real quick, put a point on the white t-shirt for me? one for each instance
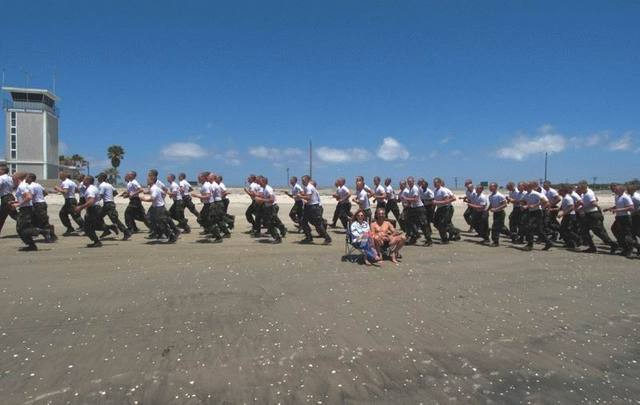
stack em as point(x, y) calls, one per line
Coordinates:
point(267, 194)
point(426, 194)
point(70, 186)
point(132, 187)
point(380, 191)
point(532, 198)
point(93, 192)
point(342, 192)
point(6, 185)
point(415, 192)
point(470, 194)
point(175, 188)
point(481, 199)
point(295, 190)
point(636, 200)
point(157, 196)
point(497, 199)
point(37, 191)
point(205, 190)
point(185, 188)
point(161, 185)
point(106, 191)
point(363, 199)
point(223, 188)
point(552, 195)
point(216, 192)
point(515, 194)
point(391, 193)
point(589, 201)
point(255, 188)
point(22, 189)
point(404, 193)
point(623, 201)
point(441, 194)
point(310, 190)
point(567, 205)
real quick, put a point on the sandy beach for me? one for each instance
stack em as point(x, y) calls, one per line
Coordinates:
point(249, 322)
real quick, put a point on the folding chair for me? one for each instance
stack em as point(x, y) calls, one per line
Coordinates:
point(350, 249)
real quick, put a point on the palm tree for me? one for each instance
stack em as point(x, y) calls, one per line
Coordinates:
point(77, 160)
point(116, 154)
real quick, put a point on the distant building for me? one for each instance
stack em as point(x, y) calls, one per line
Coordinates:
point(31, 125)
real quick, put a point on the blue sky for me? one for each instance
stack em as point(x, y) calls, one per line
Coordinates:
point(455, 88)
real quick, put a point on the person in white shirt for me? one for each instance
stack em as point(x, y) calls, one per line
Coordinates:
point(67, 188)
point(567, 214)
point(93, 216)
point(177, 208)
point(360, 236)
point(479, 204)
point(343, 206)
point(24, 204)
point(207, 214)
point(593, 220)
point(217, 208)
point(515, 224)
point(158, 217)
point(40, 214)
point(622, 227)
point(362, 199)
point(269, 213)
point(380, 193)
point(252, 190)
point(632, 190)
point(443, 199)
point(312, 213)
point(134, 211)
point(416, 214)
point(392, 200)
point(551, 224)
point(6, 197)
point(535, 202)
point(81, 189)
point(296, 210)
point(497, 205)
point(469, 197)
point(403, 192)
point(107, 193)
point(185, 188)
point(426, 195)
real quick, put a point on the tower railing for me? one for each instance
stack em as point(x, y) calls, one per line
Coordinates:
point(29, 106)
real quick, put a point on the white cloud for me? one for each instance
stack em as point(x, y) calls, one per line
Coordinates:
point(183, 150)
point(332, 155)
point(263, 152)
point(229, 157)
point(625, 142)
point(446, 139)
point(596, 139)
point(546, 140)
point(391, 149)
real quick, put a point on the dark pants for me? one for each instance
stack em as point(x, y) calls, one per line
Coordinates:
point(622, 229)
point(497, 226)
point(381, 204)
point(593, 221)
point(220, 218)
point(225, 204)
point(551, 225)
point(635, 224)
point(313, 215)
point(416, 222)
point(442, 219)
point(272, 222)
point(514, 221)
point(41, 219)
point(25, 225)
point(160, 222)
point(296, 212)
point(343, 212)
point(109, 210)
point(69, 209)
point(567, 231)
point(431, 211)
point(480, 222)
point(93, 222)
point(468, 216)
point(392, 206)
point(177, 212)
point(6, 210)
point(188, 204)
point(250, 212)
point(535, 226)
point(135, 212)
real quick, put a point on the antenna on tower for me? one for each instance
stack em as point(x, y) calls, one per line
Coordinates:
point(54, 80)
point(2, 77)
point(310, 159)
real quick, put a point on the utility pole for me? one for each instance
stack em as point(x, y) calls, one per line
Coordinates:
point(594, 181)
point(287, 182)
point(546, 159)
point(455, 181)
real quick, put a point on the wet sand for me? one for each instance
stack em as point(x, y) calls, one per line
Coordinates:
point(251, 322)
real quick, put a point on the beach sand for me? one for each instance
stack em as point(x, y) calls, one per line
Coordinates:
point(250, 322)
